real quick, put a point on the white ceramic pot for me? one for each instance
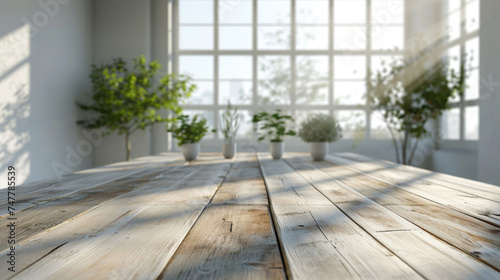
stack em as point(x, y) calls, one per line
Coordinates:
point(319, 150)
point(190, 151)
point(277, 149)
point(229, 150)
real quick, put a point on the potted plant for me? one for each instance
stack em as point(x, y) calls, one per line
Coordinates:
point(230, 125)
point(273, 126)
point(189, 134)
point(412, 91)
point(126, 99)
point(319, 130)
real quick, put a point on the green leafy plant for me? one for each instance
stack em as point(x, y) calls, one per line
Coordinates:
point(273, 125)
point(125, 100)
point(409, 93)
point(230, 123)
point(189, 132)
point(320, 128)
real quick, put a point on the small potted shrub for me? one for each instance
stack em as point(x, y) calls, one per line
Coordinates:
point(189, 134)
point(319, 130)
point(230, 124)
point(273, 126)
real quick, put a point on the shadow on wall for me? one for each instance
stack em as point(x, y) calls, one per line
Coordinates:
point(15, 107)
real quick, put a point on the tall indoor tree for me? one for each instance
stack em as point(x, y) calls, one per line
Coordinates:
point(127, 99)
point(411, 91)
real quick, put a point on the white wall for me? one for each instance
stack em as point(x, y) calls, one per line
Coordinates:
point(129, 28)
point(489, 104)
point(45, 55)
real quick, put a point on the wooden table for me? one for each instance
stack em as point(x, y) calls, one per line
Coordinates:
point(255, 218)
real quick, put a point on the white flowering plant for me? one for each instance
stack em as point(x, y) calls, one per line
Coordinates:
point(320, 128)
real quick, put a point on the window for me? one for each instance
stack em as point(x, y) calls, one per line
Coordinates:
point(303, 56)
point(462, 121)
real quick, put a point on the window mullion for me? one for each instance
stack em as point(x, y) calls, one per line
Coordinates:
point(216, 66)
point(293, 56)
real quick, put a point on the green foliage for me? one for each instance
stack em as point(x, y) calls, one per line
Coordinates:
point(230, 123)
point(320, 128)
point(187, 132)
point(273, 125)
point(125, 100)
point(413, 91)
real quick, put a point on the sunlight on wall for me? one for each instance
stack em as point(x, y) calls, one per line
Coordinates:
point(14, 102)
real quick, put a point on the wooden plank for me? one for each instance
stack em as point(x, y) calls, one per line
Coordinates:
point(472, 236)
point(162, 192)
point(484, 190)
point(285, 186)
point(39, 219)
point(57, 191)
point(429, 256)
point(472, 205)
point(243, 184)
point(228, 242)
point(320, 242)
point(136, 247)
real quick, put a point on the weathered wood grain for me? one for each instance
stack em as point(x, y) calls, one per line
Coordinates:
point(136, 247)
point(469, 204)
point(285, 186)
point(462, 184)
point(430, 257)
point(243, 184)
point(39, 219)
point(228, 242)
point(173, 188)
point(320, 242)
point(475, 237)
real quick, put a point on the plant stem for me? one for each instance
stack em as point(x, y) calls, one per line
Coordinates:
point(395, 142)
point(413, 151)
point(128, 144)
point(405, 145)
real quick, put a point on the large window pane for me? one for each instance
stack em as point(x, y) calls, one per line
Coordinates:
point(453, 26)
point(349, 37)
point(454, 64)
point(353, 123)
point(312, 37)
point(274, 80)
point(349, 93)
point(237, 92)
point(235, 11)
point(274, 11)
point(203, 95)
point(312, 11)
point(196, 37)
point(472, 15)
point(197, 66)
point(349, 11)
point(273, 37)
point(235, 74)
point(235, 67)
point(472, 82)
point(379, 128)
point(387, 37)
point(349, 67)
point(472, 123)
point(200, 11)
point(311, 85)
point(388, 12)
point(472, 50)
point(235, 37)
point(450, 124)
